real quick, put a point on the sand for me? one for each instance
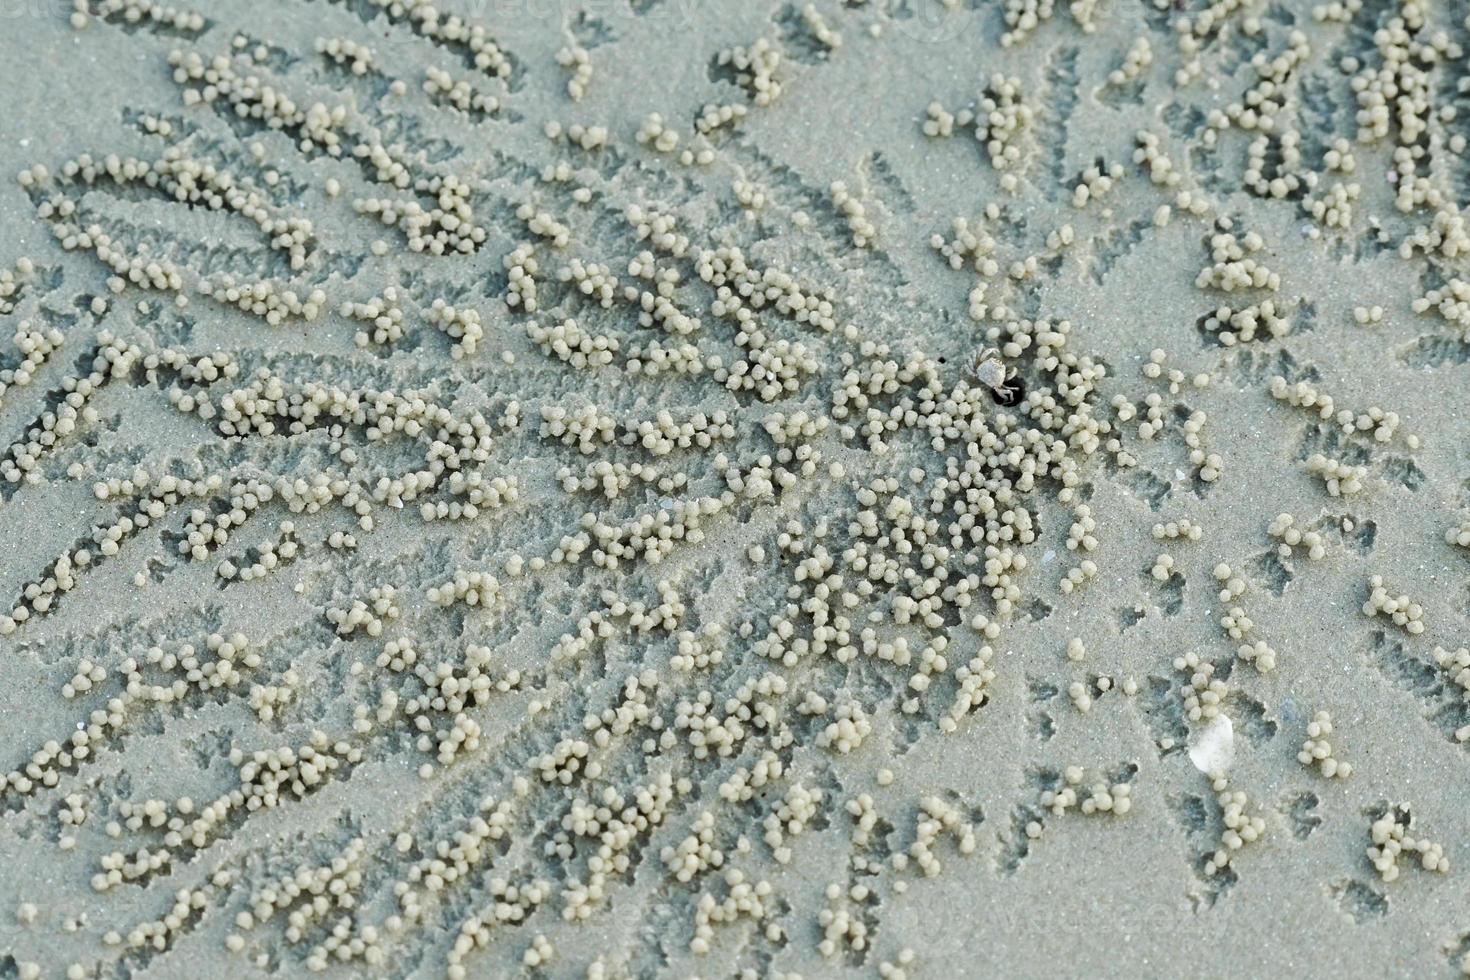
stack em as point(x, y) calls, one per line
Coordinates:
point(464, 841)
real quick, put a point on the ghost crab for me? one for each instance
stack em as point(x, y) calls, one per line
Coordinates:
point(991, 370)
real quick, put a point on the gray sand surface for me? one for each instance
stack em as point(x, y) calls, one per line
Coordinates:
point(761, 667)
